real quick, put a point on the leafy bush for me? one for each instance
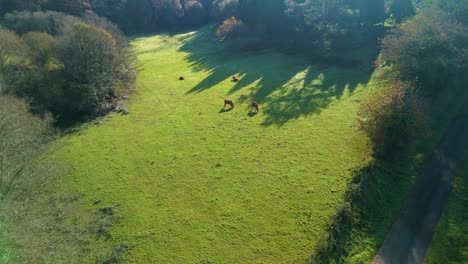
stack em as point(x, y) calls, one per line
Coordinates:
point(391, 119)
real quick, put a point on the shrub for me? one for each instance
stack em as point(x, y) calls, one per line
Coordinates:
point(391, 119)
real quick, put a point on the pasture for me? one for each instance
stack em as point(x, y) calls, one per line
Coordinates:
point(191, 182)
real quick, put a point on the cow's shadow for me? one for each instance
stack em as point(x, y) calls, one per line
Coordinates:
point(225, 110)
point(252, 113)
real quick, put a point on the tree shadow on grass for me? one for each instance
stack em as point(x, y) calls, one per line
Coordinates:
point(287, 87)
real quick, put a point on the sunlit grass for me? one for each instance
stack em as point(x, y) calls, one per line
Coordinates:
point(193, 184)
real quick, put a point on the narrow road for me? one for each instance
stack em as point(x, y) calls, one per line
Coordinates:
point(411, 235)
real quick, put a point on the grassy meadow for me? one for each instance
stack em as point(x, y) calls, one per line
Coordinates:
point(190, 182)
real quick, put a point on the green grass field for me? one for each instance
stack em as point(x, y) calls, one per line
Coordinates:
point(191, 183)
point(450, 241)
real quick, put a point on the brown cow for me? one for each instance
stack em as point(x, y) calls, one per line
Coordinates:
point(228, 102)
point(255, 106)
point(235, 79)
point(181, 78)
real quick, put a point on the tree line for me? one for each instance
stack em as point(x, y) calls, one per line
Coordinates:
point(135, 16)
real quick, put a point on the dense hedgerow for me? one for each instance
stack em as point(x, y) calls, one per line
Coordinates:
point(429, 50)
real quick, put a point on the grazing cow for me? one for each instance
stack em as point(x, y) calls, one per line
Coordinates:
point(181, 78)
point(255, 106)
point(235, 79)
point(228, 102)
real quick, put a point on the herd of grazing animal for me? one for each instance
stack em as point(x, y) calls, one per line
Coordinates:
point(254, 104)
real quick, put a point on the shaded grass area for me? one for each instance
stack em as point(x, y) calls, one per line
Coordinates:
point(191, 183)
point(377, 192)
point(449, 244)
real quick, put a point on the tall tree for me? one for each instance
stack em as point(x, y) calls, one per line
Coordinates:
point(402, 9)
point(265, 16)
point(372, 11)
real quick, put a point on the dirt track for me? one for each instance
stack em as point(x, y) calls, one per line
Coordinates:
point(411, 235)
